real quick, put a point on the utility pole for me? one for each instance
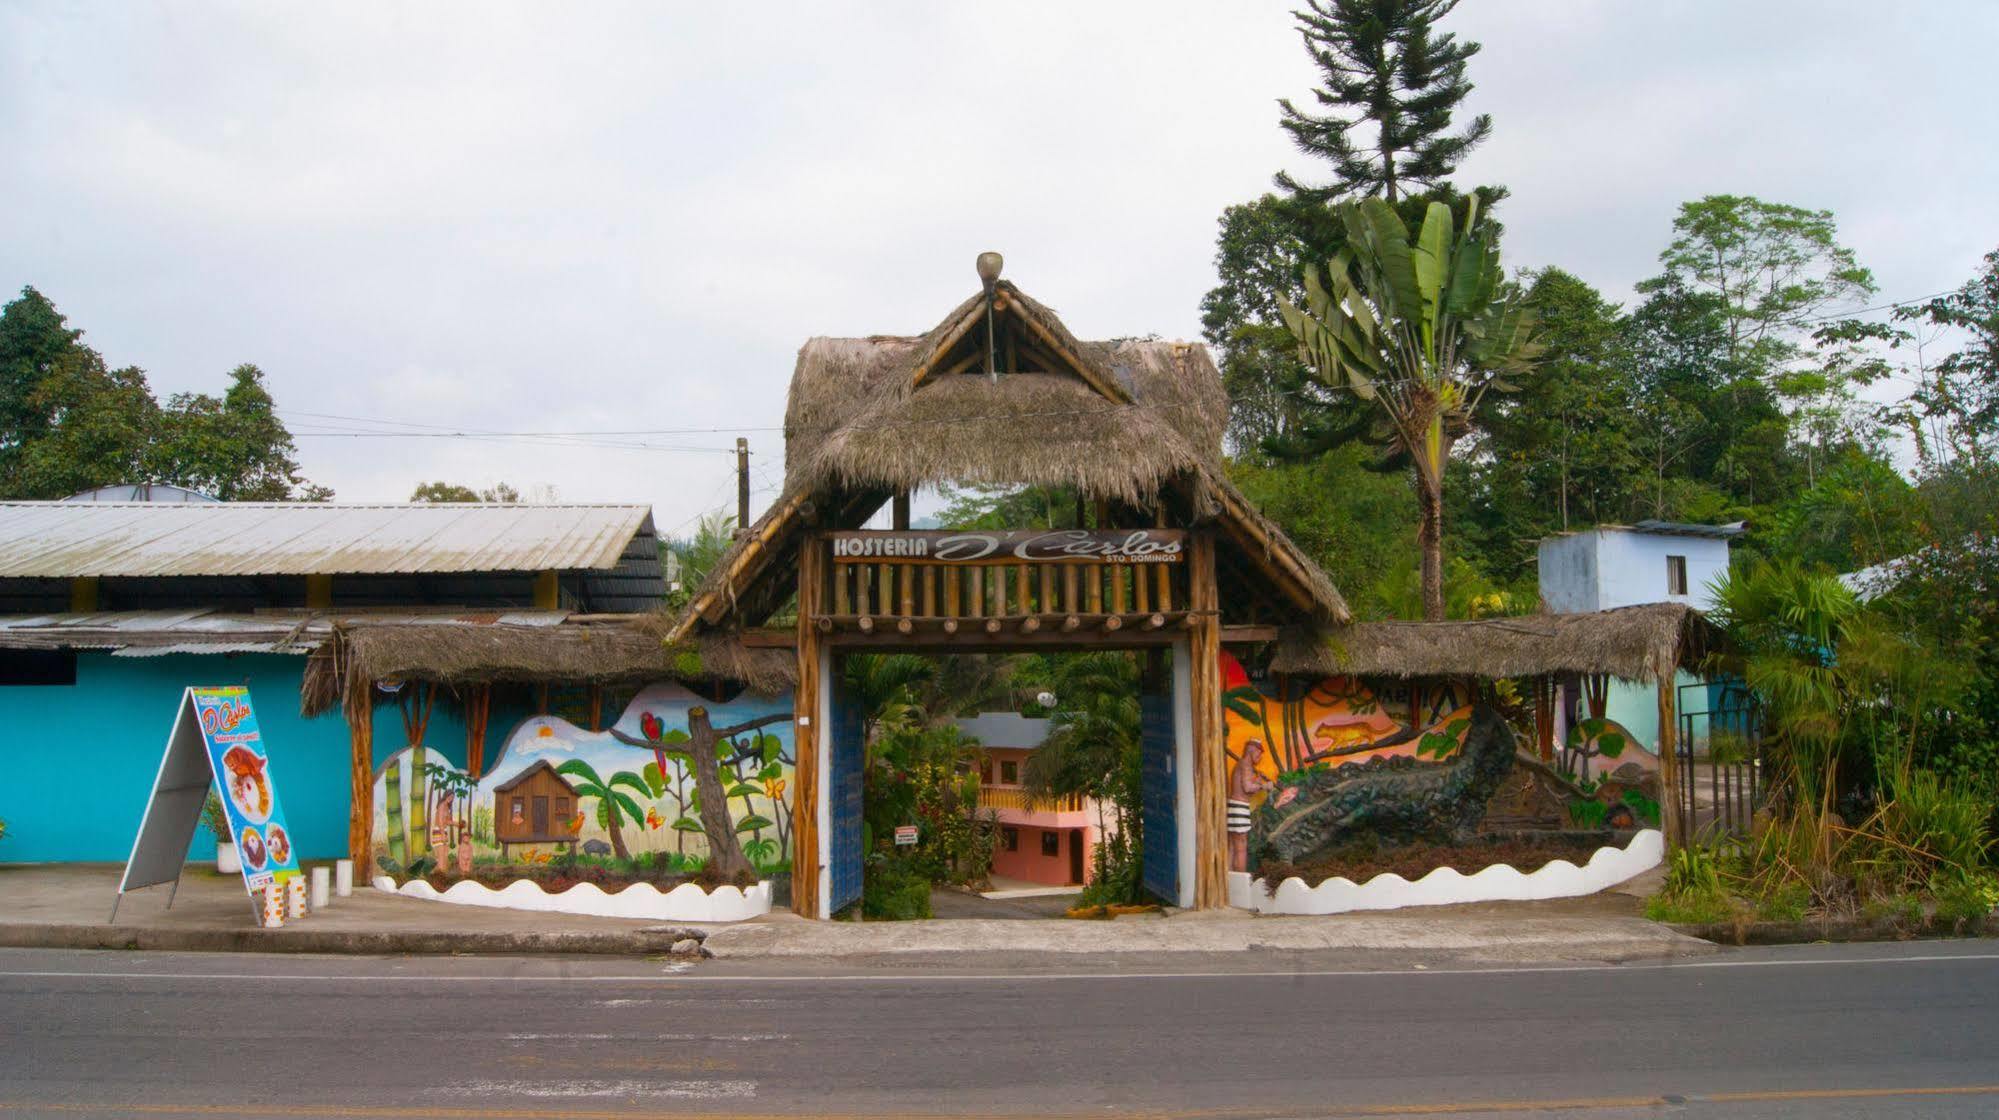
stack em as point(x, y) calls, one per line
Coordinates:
point(742, 485)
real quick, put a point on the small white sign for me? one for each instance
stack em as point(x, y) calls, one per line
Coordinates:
point(905, 835)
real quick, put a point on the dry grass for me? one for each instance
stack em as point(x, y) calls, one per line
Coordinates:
point(1643, 643)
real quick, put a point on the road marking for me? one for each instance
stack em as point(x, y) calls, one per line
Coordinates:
point(629, 1090)
point(608, 1037)
point(1353, 1112)
point(1001, 977)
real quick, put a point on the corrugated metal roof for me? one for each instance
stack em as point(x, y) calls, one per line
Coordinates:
point(65, 540)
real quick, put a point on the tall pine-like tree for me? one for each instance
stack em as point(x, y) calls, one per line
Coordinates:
point(1391, 86)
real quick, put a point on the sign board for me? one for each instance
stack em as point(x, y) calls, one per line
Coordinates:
point(214, 745)
point(905, 835)
point(243, 777)
point(1014, 546)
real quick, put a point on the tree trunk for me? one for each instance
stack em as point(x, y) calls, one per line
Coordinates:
point(392, 795)
point(1430, 540)
point(725, 854)
point(617, 838)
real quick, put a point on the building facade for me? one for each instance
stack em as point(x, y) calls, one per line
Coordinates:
point(1043, 841)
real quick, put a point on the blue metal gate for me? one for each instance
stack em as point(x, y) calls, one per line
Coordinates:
point(1158, 793)
point(843, 790)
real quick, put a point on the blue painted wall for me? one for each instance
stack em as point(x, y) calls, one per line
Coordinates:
point(79, 760)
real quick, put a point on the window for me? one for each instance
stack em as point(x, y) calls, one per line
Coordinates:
point(1010, 838)
point(1676, 575)
point(1051, 843)
point(562, 808)
point(518, 812)
point(37, 666)
point(1010, 772)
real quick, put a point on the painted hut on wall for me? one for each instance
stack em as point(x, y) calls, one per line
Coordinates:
point(535, 806)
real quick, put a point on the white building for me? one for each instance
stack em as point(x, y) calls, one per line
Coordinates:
point(1626, 565)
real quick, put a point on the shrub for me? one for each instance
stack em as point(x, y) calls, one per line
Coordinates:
point(1693, 890)
point(895, 890)
point(1965, 895)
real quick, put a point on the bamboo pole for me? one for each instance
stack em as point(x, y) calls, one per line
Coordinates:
point(978, 595)
point(1069, 602)
point(929, 591)
point(806, 731)
point(999, 593)
point(954, 589)
point(1095, 574)
point(841, 603)
point(1141, 591)
point(906, 583)
point(1165, 586)
point(1210, 758)
point(1022, 592)
point(360, 712)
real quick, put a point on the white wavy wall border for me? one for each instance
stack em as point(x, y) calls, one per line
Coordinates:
point(1560, 878)
point(684, 903)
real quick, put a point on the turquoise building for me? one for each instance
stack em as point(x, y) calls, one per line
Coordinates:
point(108, 610)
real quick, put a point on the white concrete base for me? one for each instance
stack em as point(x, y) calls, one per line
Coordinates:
point(684, 903)
point(1028, 892)
point(1607, 867)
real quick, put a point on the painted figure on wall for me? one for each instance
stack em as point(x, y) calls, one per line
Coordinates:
point(1244, 784)
point(676, 784)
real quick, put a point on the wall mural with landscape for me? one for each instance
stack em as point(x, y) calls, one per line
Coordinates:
point(1334, 776)
point(676, 789)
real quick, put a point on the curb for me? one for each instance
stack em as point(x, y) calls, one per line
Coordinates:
point(650, 941)
point(1833, 930)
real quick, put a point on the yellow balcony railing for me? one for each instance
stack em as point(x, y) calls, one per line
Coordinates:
point(1013, 797)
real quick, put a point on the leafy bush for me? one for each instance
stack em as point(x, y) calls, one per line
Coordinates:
point(895, 889)
point(1965, 895)
point(215, 818)
point(1694, 891)
point(1116, 878)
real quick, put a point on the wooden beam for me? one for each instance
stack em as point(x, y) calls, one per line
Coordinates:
point(1242, 635)
point(950, 626)
point(865, 624)
point(900, 506)
point(806, 731)
point(1670, 818)
point(83, 595)
point(905, 625)
point(319, 591)
point(958, 330)
point(993, 625)
point(1030, 624)
point(1154, 621)
point(1210, 754)
point(749, 557)
point(1070, 624)
point(1113, 622)
point(1076, 364)
point(359, 709)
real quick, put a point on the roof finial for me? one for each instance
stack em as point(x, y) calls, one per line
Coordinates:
point(989, 266)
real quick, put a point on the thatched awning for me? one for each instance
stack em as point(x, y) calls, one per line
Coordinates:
point(1129, 421)
point(1642, 643)
point(591, 653)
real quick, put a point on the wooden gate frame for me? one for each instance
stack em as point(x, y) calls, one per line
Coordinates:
point(1196, 630)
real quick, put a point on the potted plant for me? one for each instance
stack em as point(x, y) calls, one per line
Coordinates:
point(217, 819)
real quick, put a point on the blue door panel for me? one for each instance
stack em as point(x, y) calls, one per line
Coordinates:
point(844, 792)
point(1158, 798)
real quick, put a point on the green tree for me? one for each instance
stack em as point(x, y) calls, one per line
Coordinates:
point(1772, 268)
point(1953, 413)
point(1354, 519)
point(100, 427)
point(1422, 330)
point(1391, 83)
point(34, 339)
point(693, 558)
point(452, 492)
point(1560, 452)
point(233, 446)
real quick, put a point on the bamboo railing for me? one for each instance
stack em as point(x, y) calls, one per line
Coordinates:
point(1013, 797)
point(1044, 593)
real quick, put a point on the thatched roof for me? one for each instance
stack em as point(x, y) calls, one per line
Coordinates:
point(591, 653)
point(1113, 419)
point(1124, 421)
point(1642, 643)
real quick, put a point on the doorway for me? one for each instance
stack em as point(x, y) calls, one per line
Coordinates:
point(856, 844)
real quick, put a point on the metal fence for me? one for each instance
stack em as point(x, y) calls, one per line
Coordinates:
point(1723, 778)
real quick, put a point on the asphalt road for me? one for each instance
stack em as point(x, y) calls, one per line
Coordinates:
point(1815, 1031)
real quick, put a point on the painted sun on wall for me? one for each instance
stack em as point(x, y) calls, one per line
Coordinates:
point(677, 786)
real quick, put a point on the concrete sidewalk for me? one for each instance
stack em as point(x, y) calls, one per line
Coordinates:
point(67, 906)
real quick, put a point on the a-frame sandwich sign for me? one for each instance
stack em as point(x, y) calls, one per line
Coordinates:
point(215, 745)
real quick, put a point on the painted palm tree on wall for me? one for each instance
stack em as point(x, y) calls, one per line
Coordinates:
point(615, 807)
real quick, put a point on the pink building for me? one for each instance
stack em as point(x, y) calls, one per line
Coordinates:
point(1051, 842)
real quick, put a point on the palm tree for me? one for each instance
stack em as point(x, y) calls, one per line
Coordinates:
point(1423, 330)
point(1092, 749)
point(614, 806)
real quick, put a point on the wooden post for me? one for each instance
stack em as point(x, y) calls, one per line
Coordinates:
point(318, 591)
point(83, 595)
point(1669, 763)
point(899, 506)
point(841, 605)
point(548, 591)
point(806, 732)
point(954, 590)
point(905, 580)
point(929, 591)
point(1205, 698)
point(359, 708)
point(1023, 595)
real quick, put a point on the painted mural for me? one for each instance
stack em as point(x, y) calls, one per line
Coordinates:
point(677, 786)
point(1315, 763)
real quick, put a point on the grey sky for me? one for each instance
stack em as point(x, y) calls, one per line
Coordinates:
point(570, 218)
